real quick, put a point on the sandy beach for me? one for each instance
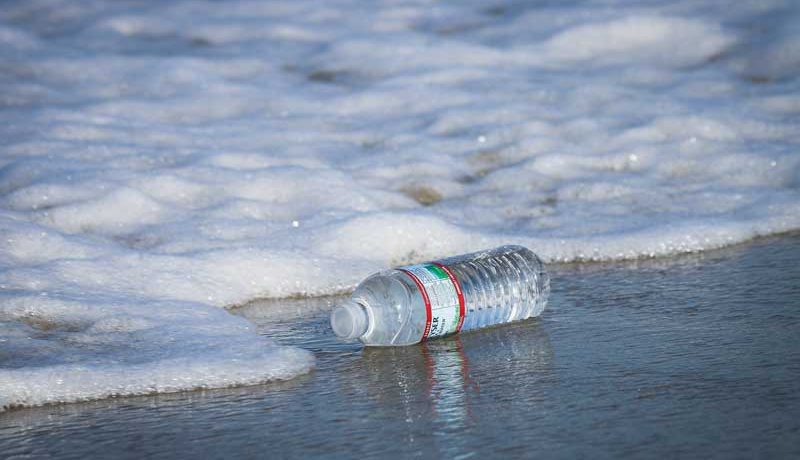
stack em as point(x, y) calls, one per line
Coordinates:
point(692, 357)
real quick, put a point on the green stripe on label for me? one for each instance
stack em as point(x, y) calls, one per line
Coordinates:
point(441, 274)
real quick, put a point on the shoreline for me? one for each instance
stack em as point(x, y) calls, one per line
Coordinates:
point(756, 240)
point(301, 308)
point(680, 346)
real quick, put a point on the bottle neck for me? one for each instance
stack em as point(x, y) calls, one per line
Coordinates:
point(349, 320)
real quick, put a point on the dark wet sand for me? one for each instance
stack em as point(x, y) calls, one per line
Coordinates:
point(695, 356)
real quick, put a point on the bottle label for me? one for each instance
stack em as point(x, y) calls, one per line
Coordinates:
point(444, 300)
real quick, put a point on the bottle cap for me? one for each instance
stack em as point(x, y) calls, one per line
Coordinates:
point(349, 320)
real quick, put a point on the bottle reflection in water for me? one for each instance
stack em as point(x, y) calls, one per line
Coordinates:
point(455, 384)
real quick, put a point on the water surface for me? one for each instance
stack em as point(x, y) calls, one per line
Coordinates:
point(697, 356)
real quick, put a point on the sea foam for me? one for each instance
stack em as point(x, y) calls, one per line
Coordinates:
point(165, 161)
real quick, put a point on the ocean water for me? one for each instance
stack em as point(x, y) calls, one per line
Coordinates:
point(689, 357)
point(163, 162)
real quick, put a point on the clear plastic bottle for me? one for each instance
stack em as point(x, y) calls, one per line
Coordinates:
point(410, 304)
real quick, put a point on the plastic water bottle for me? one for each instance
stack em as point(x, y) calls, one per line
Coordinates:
point(410, 304)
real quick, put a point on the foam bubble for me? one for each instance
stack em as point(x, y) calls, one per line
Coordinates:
point(58, 349)
point(661, 40)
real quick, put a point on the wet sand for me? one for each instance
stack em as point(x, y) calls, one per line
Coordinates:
point(692, 356)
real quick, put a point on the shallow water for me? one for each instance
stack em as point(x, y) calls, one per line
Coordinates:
point(696, 356)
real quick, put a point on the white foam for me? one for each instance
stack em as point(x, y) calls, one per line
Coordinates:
point(669, 41)
point(58, 348)
point(162, 162)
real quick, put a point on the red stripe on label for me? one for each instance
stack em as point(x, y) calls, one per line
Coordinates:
point(425, 298)
point(461, 307)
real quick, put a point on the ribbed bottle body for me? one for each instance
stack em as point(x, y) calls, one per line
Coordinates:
point(500, 285)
